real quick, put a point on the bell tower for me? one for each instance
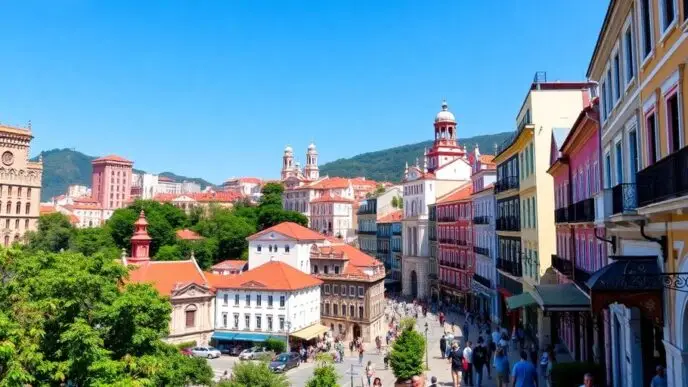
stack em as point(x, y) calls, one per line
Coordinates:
point(311, 170)
point(445, 148)
point(288, 163)
point(140, 241)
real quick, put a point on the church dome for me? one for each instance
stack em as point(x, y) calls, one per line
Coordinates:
point(445, 115)
point(311, 147)
point(288, 149)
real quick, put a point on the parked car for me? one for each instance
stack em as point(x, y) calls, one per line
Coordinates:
point(208, 352)
point(236, 350)
point(253, 353)
point(285, 361)
point(186, 351)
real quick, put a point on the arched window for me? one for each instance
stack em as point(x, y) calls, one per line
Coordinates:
point(7, 240)
point(9, 208)
point(270, 248)
point(190, 314)
point(315, 269)
point(26, 224)
point(352, 311)
point(28, 208)
point(343, 309)
point(360, 312)
point(18, 208)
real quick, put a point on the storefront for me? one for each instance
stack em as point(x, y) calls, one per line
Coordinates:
point(485, 299)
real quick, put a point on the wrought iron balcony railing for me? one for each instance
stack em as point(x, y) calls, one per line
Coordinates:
point(563, 266)
point(482, 280)
point(481, 219)
point(512, 267)
point(582, 211)
point(624, 198)
point(506, 183)
point(481, 250)
point(366, 232)
point(461, 242)
point(561, 215)
point(446, 219)
point(663, 180)
point(508, 223)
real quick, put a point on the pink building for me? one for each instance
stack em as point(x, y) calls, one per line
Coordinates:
point(580, 250)
point(111, 181)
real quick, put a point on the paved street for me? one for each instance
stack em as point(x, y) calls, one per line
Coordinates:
point(437, 366)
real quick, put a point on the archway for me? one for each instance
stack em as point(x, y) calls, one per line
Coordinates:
point(357, 331)
point(414, 284)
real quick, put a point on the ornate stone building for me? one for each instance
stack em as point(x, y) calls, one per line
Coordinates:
point(20, 184)
point(352, 292)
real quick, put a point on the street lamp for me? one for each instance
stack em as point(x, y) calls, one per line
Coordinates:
point(288, 326)
point(426, 346)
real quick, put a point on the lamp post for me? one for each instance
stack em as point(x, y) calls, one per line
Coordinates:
point(426, 346)
point(288, 326)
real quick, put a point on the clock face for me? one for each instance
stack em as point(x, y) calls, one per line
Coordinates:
point(7, 158)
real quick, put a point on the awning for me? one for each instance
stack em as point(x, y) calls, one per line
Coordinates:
point(561, 298)
point(310, 332)
point(632, 281)
point(245, 336)
point(520, 301)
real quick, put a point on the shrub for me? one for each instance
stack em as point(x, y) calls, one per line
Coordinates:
point(408, 351)
point(186, 344)
point(254, 375)
point(572, 373)
point(324, 375)
point(275, 345)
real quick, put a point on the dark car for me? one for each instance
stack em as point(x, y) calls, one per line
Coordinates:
point(285, 361)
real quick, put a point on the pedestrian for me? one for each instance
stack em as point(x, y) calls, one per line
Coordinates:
point(504, 343)
point(468, 364)
point(450, 340)
point(433, 382)
point(491, 346)
point(479, 359)
point(443, 345)
point(456, 361)
point(360, 354)
point(377, 382)
point(589, 380)
point(524, 373)
point(370, 371)
point(533, 353)
point(465, 329)
point(378, 344)
point(552, 360)
point(659, 380)
point(521, 337)
point(351, 347)
point(501, 363)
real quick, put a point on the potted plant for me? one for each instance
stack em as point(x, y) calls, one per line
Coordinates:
point(406, 357)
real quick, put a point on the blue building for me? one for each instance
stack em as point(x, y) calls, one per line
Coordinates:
point(389, 248)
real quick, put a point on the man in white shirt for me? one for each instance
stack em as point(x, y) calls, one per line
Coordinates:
point(468, 356)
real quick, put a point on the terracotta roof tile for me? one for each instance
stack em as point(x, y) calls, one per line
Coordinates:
point(230, 264)
point(487, 159)
point(188, 235)
point(274, 275)
point(331, 183)
point(327, 198)
point(461, 193)
point(166, 276)
point(73, 219)
point(46, 209)
point(112, 158)
point(392, 217)
point(291, 230)
point(488, 187)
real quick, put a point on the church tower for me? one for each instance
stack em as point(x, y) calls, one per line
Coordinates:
point(140, 241)
point(445, 148)
point(288, 163)
point(311, 171)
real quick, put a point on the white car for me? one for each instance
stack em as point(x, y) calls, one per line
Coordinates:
point(253, 353)
point(207, 352)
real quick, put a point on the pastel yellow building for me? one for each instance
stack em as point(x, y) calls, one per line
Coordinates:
point(526, 236)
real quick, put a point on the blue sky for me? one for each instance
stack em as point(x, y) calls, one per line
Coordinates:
point(216, 89)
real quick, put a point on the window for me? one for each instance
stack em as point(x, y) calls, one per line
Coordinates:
point(352, 291)
point(633, 153)
point(327, 308)
point(9, 207)
point(335, 289)
point(248, 300)
point(335, 309)
point(628, 54)
point(667, 12)
point(652, 143)
point(247, 321)
point(225, 298)
point(336, 270)
point(259, 322)
point(270, 323)
point(224, 320)
point(286, 248)
point(327, 289)
point(607, 170)
point(281, 323)
point(270, 248)
point(16, 224)
point(673, 122)
point(259, 248)
point(26, 224)
point(685, 9)
point(28, 193)
point(646, 27)
point(315, 269)
point(361, 291)
point(617, 77)
point(343, 310)
point(282, 301)
point(352, 311)
point(619, 162)
point(610, 90)
point(603, 102)
point(236, 300)
point(236, 320)
point(343, 290)
point(269, 301)
point(258, 299)
point(360, 312)
point(190, 314)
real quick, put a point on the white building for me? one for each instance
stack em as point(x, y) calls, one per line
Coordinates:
point(151, 185)
point(484, 175)
point(246, 186)
point(286, 242)
point(78, 191)
point(445, 167)
point(332, 215)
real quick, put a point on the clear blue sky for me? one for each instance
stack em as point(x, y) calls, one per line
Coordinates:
point(217, 88)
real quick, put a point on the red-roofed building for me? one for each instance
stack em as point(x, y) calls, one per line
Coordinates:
point(111, 181)
point(229, 267)
point(182, 282)
point(287, 242)
point(188, 235)
point(189, 201)
point(352, 292)
point(248, 187)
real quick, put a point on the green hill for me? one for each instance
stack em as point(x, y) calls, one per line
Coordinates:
point(388, 164)
point(65, 167)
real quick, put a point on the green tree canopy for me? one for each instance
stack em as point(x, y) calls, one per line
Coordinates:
point(67, 318)
point(53, 233)
point(250, 374)
point(89, 241)
point(324, 374)
point(230, 232)
point(406, 357)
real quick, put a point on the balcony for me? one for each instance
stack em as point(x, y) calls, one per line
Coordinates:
point(666, 179)
point(446, 219)
point(396, 232)
point(383, 250)
point(506, 183)
point(582, 211)
point(561, 215)
point(563, 266)
point(432, 238)
point(446, 240)
point(461, 243)
point(366, 232)
point(624, 198)
point(481, 220)
point(482, 280)
point(508, 223)
point(512, 267)
point(512, 286)
point(481, 250)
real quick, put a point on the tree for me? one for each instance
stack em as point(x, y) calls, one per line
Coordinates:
point(275, 345)
point(205, 251)
point(89, 241)
point(406, 357)
point(67, 318)
point(169, 253)
point(379, 190)
point(395, 202)
point(269, 216)
point(229, 230)
point(53, 234)
point(324, 374)
point(250, 374)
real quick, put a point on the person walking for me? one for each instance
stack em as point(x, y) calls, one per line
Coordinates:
point(588, 380)
point(456, 361)
point(370, 371)
point(468, 364)
point(659, 380)
point(360, 354)
point(524, 373)
point(491, 346)
point(450, 340)
point(465, 329)
point(501, 363)
point(443, 345)
point(551, 361)
point(480, 358)
point(433, 382)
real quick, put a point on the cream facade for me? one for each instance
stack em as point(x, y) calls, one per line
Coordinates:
point(20, 184)
point(193, 311)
